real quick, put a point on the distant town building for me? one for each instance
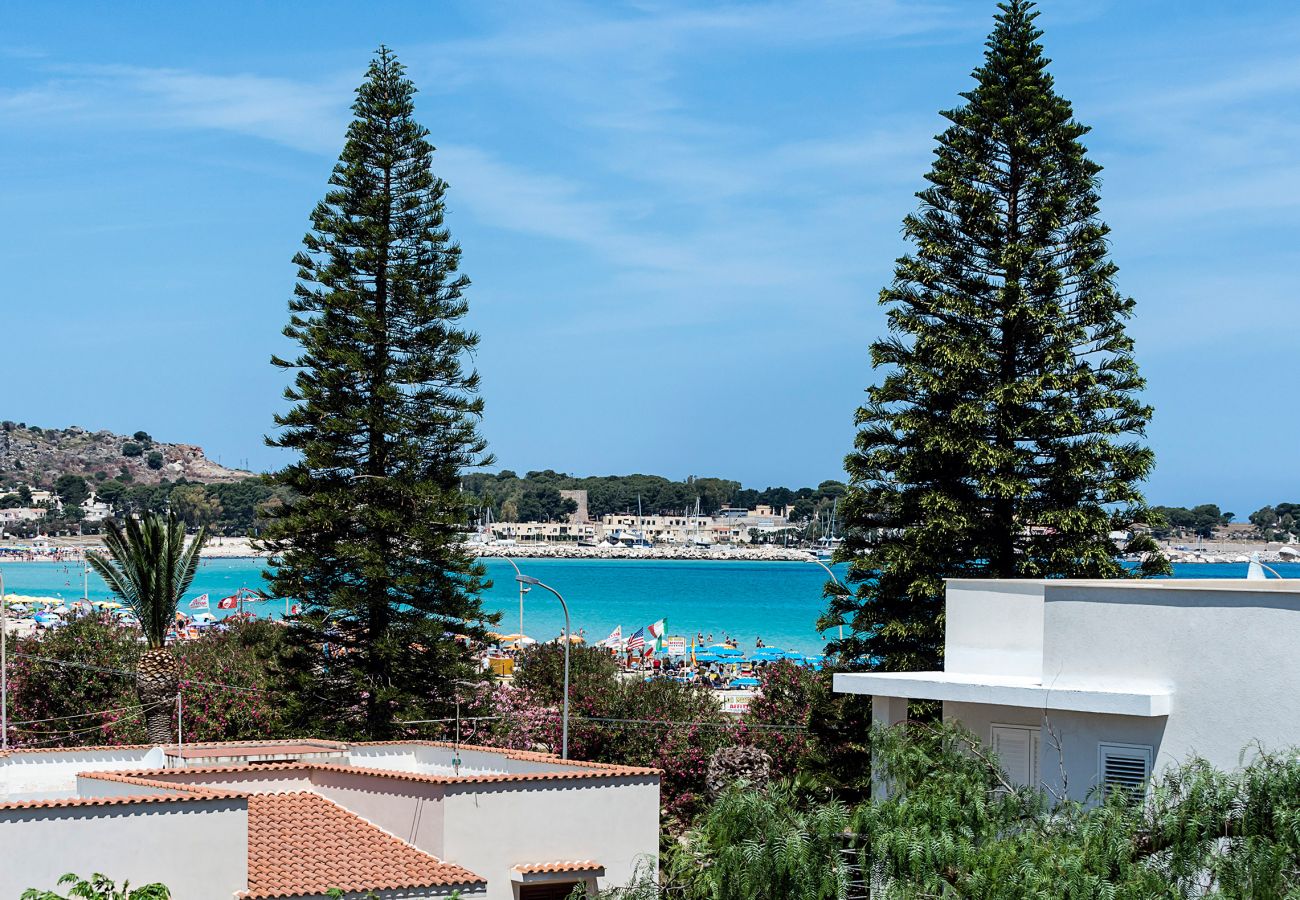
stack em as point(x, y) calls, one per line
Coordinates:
point(729, 526)
point(94, 509)
point(20, 514)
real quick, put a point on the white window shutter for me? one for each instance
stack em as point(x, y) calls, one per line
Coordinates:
point(1015, 747)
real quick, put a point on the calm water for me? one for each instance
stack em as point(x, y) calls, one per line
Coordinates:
point(778, 601)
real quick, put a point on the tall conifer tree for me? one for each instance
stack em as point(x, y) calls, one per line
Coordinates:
point(384, 418)
point(1002, 440)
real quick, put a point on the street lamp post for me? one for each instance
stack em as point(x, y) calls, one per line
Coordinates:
point(564, 738)
point(838, 584)
point(523, 589)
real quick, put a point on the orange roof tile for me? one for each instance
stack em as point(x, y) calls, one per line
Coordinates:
point(302, 844)
point(579, 865)
point(600, 771)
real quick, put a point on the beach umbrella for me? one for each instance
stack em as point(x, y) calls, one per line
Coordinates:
point(46, 618)
point(744, 681)
point(106, 604)
point(707, 656)
point(61, 610)
point(725, 650)
point(32, 601)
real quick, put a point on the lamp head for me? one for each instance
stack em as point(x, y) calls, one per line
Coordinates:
point(526, 579)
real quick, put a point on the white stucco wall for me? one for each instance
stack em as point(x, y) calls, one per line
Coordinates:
point(437, 760)
point(492, 828)
point(994, 628)
point(410, 810)
point(1227, 649)
point(1068, 760)
point(199, 849)
point(254, 779)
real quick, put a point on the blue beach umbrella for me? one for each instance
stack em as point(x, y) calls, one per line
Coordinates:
point(744, 682)
point(707, 656)
point(724, 650)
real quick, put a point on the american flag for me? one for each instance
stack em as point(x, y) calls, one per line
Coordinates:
point(636, 641)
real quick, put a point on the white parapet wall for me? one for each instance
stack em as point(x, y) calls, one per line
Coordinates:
point(26, 774)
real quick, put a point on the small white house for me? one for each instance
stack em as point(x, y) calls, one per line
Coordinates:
point(1077, 683)
point(292, 820)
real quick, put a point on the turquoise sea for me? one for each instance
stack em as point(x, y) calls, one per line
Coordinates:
point(777, 601)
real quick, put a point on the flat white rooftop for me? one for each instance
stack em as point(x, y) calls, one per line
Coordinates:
point(1240, 585)
point(1135, 699)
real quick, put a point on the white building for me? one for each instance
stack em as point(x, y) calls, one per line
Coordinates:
point(1126, 677)
point(95, 510)
point(405, 819)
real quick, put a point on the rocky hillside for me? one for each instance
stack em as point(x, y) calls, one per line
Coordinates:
point(37, 456)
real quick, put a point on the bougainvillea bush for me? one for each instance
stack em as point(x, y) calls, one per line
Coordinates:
point(613, 719)
point(58, 677)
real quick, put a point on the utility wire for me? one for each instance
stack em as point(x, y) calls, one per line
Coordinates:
point(661, 723)
point(79, 715)
point(92, 668)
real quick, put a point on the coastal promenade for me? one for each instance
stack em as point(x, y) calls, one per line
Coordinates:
point(1183, 551)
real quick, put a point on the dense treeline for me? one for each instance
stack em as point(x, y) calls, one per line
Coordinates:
point(1201, 520)
point(237, 507)
point(535, 496)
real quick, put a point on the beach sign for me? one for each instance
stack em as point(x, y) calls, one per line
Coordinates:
point(676, 646)
point(736, 706)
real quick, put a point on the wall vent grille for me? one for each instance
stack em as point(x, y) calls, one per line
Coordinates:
point(1125, 767)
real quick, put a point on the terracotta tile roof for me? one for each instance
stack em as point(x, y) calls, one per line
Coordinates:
point(134, 778)
point(175, 793)
point(97, 748)
point(302, 844)
point(453, 780)
point(603, 771)
point(579, 865)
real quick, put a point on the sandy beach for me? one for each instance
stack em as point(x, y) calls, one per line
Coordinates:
point(223, 547)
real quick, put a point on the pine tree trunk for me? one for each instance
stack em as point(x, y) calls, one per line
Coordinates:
point(157, 679)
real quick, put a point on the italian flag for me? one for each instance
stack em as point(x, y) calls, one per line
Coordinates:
point(656, 631)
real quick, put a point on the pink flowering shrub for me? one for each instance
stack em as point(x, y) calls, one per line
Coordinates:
point(782, 705)
point(612, 720)
point(226, 688)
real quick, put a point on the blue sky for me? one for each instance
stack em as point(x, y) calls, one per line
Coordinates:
point(676, 217)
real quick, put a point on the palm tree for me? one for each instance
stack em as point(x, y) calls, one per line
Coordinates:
point(151, 569)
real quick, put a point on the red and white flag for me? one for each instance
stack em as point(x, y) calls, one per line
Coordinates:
point(296, 609)
point(615, 638)
point(228, 602)
point(200, 602)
